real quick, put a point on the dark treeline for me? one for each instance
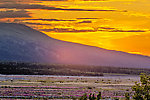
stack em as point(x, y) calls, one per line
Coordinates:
point(111, 69)
point(42, 69)
point(70, 70)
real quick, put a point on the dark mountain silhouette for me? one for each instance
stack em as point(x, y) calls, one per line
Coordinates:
point(22, 43)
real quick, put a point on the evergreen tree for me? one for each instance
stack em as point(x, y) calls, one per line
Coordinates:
point(84, 97)
point(93, 97)
point(90, 96)
point(142, 89)
point(99, 96)
point(127, 96)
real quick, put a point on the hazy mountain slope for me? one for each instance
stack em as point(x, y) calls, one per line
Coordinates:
point(21, 43)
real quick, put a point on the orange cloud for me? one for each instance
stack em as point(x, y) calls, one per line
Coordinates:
point(14, 14)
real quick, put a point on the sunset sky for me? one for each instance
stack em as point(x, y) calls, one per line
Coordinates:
point(121, 25)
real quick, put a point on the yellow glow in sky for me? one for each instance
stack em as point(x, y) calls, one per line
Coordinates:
point(122, 25)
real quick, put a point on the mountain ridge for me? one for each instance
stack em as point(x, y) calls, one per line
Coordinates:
point(78, 43)
point(38, 47)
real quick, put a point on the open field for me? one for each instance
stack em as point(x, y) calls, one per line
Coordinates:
point(64, 87)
